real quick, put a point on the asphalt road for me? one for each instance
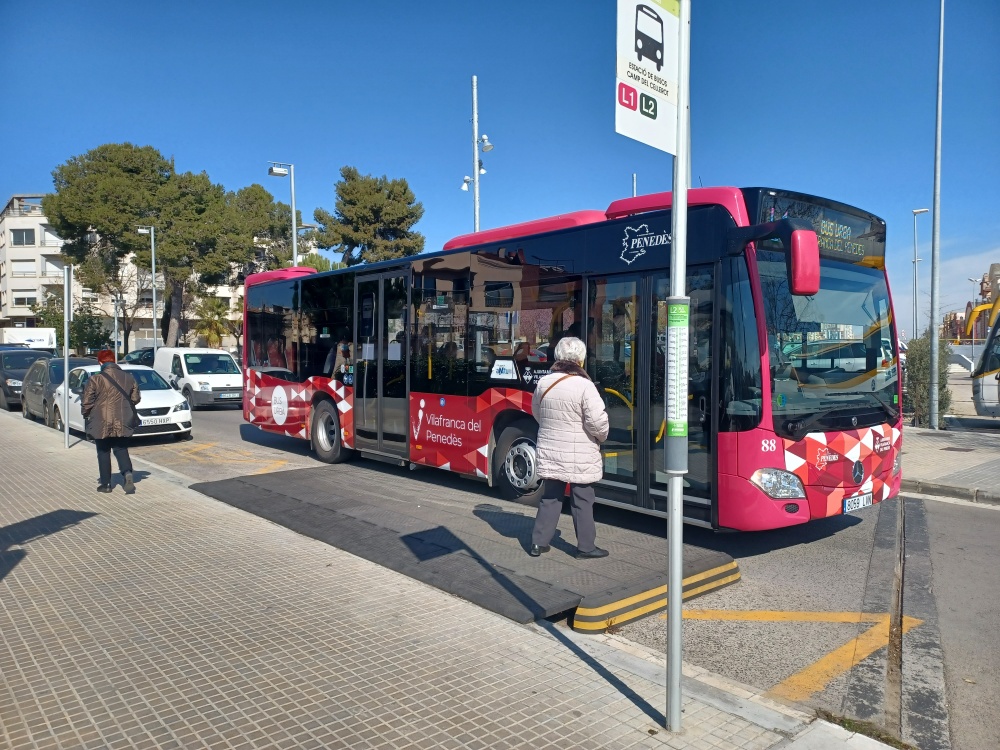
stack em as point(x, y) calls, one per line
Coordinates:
point(964, 549)
point(807, 623)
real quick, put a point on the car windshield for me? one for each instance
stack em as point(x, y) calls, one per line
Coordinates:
point(211, 364)
point(20, 360)
point(149, 380)
point(827, 357)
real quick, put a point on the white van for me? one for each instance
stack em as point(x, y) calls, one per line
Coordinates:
point(203, 376)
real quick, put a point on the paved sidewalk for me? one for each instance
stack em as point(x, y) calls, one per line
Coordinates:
point(952, 463)
point(169, 620)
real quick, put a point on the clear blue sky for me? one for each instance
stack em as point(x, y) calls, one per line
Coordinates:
point(832, 98)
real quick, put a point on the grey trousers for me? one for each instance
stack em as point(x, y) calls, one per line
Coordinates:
point(550, 507)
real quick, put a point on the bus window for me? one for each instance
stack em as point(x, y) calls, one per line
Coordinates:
point(327, 324)
point(272, 335)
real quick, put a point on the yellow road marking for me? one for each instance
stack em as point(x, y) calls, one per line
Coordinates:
point(814, 678)
point(818, 675)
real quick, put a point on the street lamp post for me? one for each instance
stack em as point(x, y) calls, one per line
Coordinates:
point(281, 169)
point(477, 164)
point(151, 231)
point(972, 328)
point(916, 319)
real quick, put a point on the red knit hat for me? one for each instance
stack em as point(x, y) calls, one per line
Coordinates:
point(105, 355)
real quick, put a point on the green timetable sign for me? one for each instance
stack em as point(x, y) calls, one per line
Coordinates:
point(677, 367)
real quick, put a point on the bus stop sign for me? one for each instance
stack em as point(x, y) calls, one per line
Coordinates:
point(646, 82)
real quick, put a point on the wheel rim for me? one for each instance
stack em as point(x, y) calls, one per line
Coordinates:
point(326, 433)
point(520, 466)
point(57, 420)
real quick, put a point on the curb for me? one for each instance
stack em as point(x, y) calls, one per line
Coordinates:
point(973, 494)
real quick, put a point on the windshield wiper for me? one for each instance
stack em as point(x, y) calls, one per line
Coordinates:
point(797, 428)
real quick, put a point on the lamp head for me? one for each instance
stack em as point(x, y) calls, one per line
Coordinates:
point(277, 171)
point(920, 211)
point(487, 146)
point(465, 184)
point(143, 230)
point(482, 169)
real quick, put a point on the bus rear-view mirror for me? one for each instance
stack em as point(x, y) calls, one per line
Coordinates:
point(803, 260)
point(798, 243)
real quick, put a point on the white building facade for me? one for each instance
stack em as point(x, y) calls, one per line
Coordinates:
point(31, 269)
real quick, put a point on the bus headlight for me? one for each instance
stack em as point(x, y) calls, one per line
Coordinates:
point(897, 463)
point(778, 484)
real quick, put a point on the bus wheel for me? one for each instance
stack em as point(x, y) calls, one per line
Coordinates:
point(325, 432)
point(516, 464)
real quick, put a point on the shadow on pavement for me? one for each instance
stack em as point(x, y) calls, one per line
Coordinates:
point(439, 542)
point(23, 532)
point(518, 526)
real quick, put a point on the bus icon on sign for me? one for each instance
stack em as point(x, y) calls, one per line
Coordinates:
point(649, 35)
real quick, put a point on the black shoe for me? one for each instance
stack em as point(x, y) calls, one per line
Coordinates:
point(537, 549)
point(596, 552)
point(129, 484)
point(104, 488)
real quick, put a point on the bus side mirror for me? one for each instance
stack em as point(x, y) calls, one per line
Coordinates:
point(803, 262)
point(798, 242)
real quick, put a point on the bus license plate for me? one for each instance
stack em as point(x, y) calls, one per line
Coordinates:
point(230, 395)
point(154, 420)
point(857, 503)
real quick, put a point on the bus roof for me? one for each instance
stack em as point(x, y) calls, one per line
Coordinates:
point(731, 198)
point(281, 274)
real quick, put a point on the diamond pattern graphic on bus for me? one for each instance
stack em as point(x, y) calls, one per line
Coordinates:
point(268, 396)
point(453, 432)
point(839, 465)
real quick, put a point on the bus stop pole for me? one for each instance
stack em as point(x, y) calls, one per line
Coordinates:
point(67, 317)
point(676, 397)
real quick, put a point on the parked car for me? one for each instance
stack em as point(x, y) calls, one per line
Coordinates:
point(203, 376)
point(163, 410)
point(14, 363)
point(143, 356)
point(40, 383)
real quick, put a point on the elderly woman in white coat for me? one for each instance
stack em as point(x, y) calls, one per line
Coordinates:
point(572, 424)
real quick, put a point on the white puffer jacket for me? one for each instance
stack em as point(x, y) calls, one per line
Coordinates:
point(572, 423)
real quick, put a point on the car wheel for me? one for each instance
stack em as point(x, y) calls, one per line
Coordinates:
point(57, 422)
point(25, 411)
point(515, 464)
point(47, 415)
point(325, 433)
point(187, 394)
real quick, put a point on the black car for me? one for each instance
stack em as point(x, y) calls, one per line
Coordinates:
point(142, 356)
point(14, 363)
point(40, 383)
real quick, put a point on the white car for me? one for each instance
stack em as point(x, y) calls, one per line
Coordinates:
point(162, 409)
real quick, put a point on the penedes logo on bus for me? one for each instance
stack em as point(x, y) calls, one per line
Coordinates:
point(637, 239)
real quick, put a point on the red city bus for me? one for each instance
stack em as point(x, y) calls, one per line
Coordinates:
point(432, 360)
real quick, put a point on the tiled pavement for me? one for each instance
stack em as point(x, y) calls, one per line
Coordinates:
point(169, 620)
point(953, 463)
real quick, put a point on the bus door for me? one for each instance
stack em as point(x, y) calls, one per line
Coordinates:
point(381, 364)
point(627, 359)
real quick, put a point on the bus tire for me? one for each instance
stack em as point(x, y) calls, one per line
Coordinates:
point(325, 432)
point(515, 463)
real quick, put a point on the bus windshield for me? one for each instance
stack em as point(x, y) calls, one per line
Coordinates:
point(832, 355)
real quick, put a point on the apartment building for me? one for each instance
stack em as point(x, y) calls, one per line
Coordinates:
point(31, 268)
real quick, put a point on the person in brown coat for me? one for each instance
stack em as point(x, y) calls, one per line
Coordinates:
point(110, 418)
